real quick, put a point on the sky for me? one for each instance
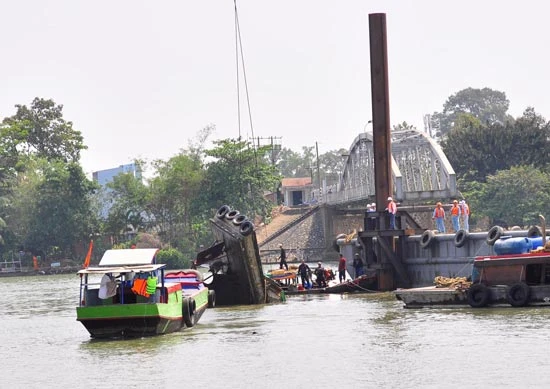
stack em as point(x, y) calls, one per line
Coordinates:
point(141, 79)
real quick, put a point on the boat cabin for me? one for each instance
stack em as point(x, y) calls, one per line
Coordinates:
point(530, 268)
point(125, 277)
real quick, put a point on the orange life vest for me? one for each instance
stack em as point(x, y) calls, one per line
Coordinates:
point(140, 287)
point(392, 207)
point(439, 212)
point(455, 210)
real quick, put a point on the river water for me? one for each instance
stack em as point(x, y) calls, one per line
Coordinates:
point(322, 341)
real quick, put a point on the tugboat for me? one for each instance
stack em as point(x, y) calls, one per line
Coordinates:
point(235, 264)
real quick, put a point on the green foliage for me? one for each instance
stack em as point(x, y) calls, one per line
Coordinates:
point(42, 131)
point(403, 127)
point(517, 196)
point(173, 259)
point(238, 176)
point(127, 196)
point(172, 191)
point(476, 151)
point(57, 210)
point(293, 164)
point(487, 105)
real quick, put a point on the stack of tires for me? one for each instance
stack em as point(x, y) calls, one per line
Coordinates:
point(246, 227)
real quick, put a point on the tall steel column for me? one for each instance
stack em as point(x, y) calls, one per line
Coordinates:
point(380, 109)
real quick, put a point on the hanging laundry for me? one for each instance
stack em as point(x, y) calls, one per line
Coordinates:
point(107, 287)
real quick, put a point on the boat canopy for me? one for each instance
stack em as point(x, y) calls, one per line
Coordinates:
point(128, 257)
point(121, 269)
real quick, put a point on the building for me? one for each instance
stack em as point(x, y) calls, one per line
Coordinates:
point(297, 191)
point(103, 177)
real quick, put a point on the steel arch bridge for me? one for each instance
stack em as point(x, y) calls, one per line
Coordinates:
point(420, 170)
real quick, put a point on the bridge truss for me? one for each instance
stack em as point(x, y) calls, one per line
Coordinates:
point(420, 170)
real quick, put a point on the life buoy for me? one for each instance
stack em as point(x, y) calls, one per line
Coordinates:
point(518, 294)
point(426, 238)
point(494, 234)
point(478, 296)
point(188, 308)
point(534, 231)
point(224, 209)
point(246, 228)
point(232, 214)
point(461, 237)
point(239, 219)
point(211, 299)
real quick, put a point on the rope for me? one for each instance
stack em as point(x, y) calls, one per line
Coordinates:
point(239, 45)
point(448, 282)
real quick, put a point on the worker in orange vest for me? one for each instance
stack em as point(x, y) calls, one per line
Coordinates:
point(392, 210)
point(439, 217)
point(455, 215)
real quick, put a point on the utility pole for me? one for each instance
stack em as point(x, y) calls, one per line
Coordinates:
point(318, 171)
point(273, 141)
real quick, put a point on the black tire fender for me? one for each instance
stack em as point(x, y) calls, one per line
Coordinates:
point(518, 294)
point(534, 231)
point(246, 228)
point(188, 308)
point(239, 219)
point(211, 299)
point(224, 209)
point(232, 214)
point(426, 238)
point(478, 296)
point(494, 234)
point(461, 237)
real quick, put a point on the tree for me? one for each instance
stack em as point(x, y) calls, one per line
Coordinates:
point(294, 164)
point(58, 213)
point(238, 176)
point(487, 105)
point(126, 197)
point(476, 151)
point(331, 165)
point(404, 127)
point(41, 130)
point(172, 191)
point(517, 196)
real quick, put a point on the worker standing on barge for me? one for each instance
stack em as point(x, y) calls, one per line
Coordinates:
point(465, 212)
point(455, 215)
point(439, 217)
point(282, 258)
point(342, 268)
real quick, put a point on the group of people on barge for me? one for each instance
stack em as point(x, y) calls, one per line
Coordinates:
point(322, 275)
point(460, 215)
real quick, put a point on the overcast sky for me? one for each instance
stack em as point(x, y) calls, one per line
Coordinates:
point(141, 78)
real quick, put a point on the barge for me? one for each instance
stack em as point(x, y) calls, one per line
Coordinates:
point(518, 275)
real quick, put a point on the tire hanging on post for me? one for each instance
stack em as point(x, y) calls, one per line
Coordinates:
point(461, 237)
point(494, 234)
point(426, 238)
